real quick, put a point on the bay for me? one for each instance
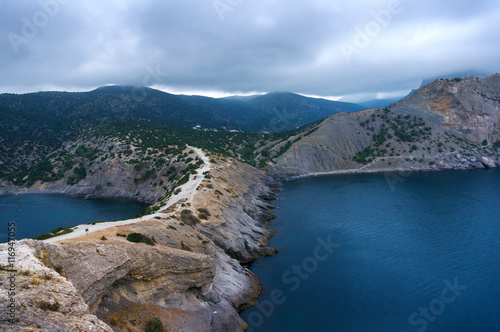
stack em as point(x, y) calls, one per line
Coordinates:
point(383, 252)
point(38, 214)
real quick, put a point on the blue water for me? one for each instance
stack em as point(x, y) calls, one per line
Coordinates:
point(38, 214)
point(416, 252)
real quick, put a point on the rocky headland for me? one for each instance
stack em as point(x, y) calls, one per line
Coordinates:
point(192, 277)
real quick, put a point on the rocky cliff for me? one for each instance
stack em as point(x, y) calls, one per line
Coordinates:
point(191, 278)
point(448, 124)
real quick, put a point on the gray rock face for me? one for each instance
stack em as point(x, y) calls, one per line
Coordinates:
point(241, 227)
point(191, 275)
point(45, 300)
point(463, 117)
point(143, 268)
point(487, 162)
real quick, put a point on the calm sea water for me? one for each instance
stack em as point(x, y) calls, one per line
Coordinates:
point(420, 252)
point(38, 214)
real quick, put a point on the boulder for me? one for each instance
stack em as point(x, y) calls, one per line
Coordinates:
point(487, 162)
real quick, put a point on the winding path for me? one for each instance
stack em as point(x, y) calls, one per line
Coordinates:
point(188, 190)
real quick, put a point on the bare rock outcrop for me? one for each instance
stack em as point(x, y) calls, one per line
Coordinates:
point(44, 300)
point(432, 129)
point(191, 278)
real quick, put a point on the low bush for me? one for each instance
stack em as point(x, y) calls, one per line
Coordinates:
point(204, 211)
point(188, 218)
point(140, 238)
point(154, 325)
point(55, 232)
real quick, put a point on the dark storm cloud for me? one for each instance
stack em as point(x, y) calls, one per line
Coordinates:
point(329, 48)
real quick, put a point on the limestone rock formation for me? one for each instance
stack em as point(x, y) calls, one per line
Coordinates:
point(431, 129)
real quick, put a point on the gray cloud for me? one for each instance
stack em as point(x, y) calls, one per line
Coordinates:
point(319, 47)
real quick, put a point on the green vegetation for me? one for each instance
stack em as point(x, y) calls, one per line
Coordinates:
point(140, 238)
point(154, 325)
point(401, 129)
point(188, 218)
point(55, 232)
point(147, 211)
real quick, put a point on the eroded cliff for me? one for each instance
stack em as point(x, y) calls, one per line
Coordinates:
point(191, 278)
point(448, 124)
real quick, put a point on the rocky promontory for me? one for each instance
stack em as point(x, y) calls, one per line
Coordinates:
point(209, 213)
point(447, 124)
point(191, 277)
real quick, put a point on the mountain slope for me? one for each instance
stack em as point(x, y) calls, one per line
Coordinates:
point(280, 111)
point(36, 124)
point(448, 124)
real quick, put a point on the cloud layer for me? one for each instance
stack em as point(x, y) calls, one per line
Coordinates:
point(328, 48)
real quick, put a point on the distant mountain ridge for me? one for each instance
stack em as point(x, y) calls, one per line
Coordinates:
point(272, 112)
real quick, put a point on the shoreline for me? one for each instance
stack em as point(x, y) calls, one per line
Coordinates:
point(243, 199)
point(387, 170)
point(188, 191)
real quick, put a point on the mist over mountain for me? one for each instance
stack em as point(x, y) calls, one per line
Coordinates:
point(273, 112)
point(377, 103)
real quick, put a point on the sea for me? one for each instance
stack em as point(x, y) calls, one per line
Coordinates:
point(383, 252)
point(31, 215)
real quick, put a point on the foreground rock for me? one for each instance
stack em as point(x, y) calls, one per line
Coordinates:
point(191, 278)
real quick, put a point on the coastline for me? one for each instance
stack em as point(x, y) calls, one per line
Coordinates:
point(229, 287)
point(188, 195)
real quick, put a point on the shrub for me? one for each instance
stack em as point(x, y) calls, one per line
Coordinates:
point(44, 305)
point(55, 306)
point(55, 232)
point(154, 325)
point(204, 211)
point(189, 219)
point(140, 238)
point(203, 216)
point(103, 238)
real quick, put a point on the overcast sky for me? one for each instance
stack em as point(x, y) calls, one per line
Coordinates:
point(356, 49)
